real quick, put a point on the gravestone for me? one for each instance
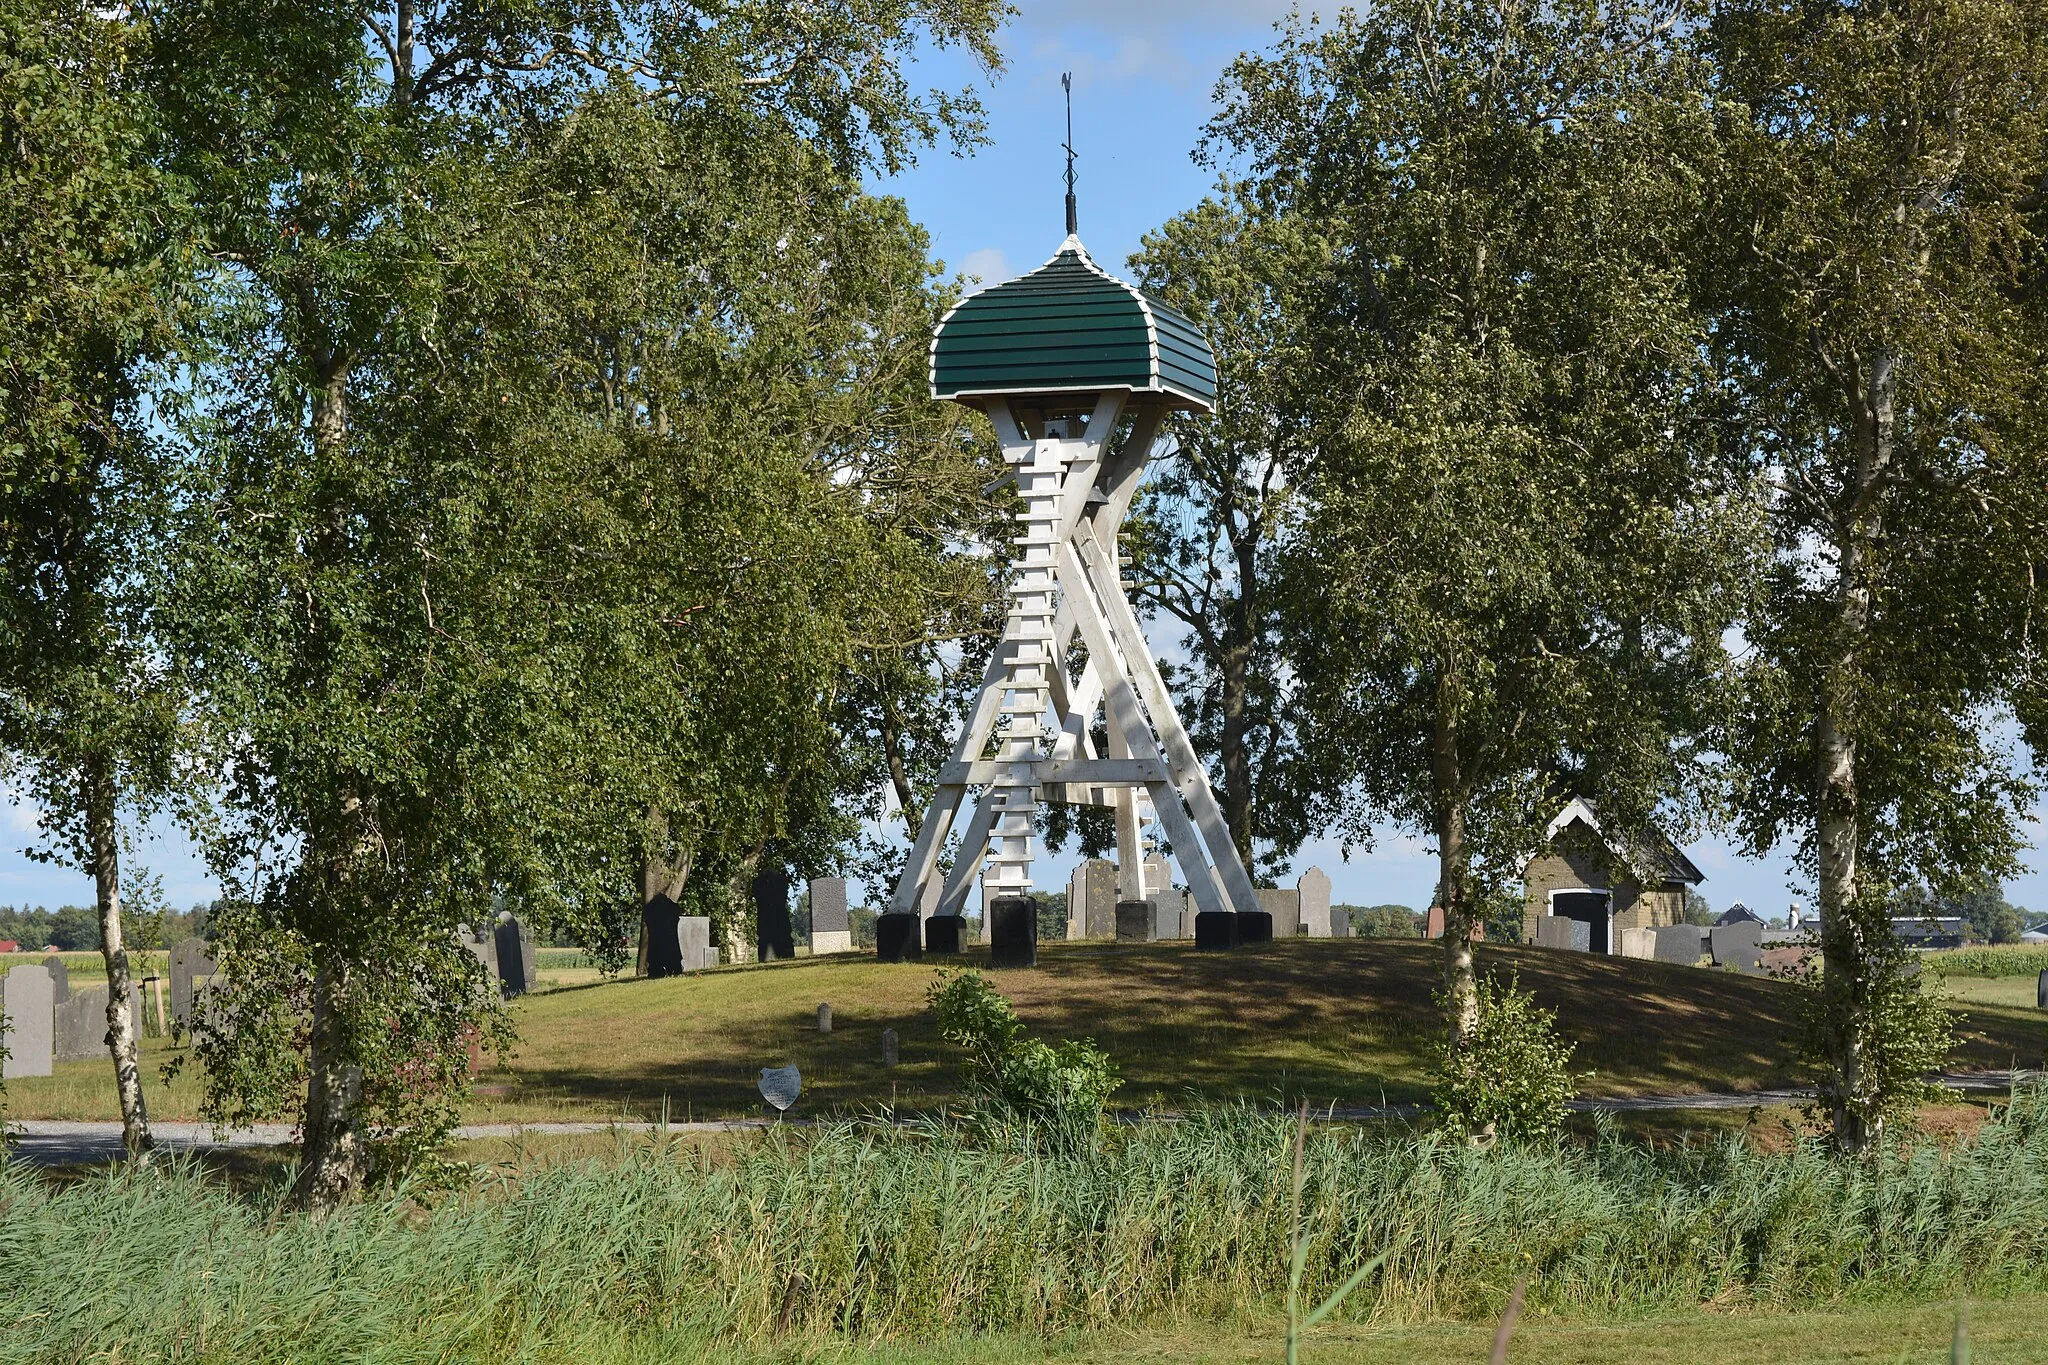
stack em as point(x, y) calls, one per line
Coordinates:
point(1169, 913)
point(1012, 932)
point(1255, 926)
point(1134, 921)
point(28, 1001)
point(1216, 929)
point(1638, 943)
point(2041, 992)
point(898, 938)
point(1157, 873)
point(191, 963)
point(693, 942)
point(660, 936)
point(485, 951)
point(1582, 936)
point(780, 1085)
point(774, 941)
point(1091, 900)
point(889, 1051)
point(516, 957)
point(60, 977)
point(711, 957)
point(824, 1018)
point(945, 934)
point(1282, 907)
point(1680, 943)
point(1312, 892)
point(1738, 945)
point(829, 931)
point(1554, 931)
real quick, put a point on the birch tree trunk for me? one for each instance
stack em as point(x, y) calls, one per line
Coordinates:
point(336, 1159)
point(1461, 983)
point(99, 795)
point(1845, 924)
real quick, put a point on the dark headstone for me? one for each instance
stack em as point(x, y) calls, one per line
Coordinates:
point(897, 937)
point(515, 957)
point(659, 925)
point(60, 977)
point(774, 940)
point(945, 933)
point(1255, 927)
point(79, 1022)
point(1680, 943)
point(27, 1022)
point(1215, 929)
point(1134, 921)
point(1013, 932)
point(828, 905)
point(2041, 992)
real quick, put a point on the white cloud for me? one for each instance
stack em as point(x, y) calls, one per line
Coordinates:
point(989, 265)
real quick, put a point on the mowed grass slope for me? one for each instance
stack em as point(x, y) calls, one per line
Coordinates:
point(1345, 1022)
point(1349, 1022)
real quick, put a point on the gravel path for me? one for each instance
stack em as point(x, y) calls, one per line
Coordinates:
point(71, 1142)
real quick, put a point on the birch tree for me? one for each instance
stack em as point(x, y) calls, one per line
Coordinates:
point(90, 273)
point(1882, 332)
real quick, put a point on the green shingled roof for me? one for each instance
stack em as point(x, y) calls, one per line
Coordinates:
point(1069, 327)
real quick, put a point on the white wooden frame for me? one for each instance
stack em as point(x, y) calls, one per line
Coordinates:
point(1065, 585)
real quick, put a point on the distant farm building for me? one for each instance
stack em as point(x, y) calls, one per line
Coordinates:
point(1610, 882)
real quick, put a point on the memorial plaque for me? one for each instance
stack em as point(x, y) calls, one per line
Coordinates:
point(28, 1004)
point(780, 1085)
point(1313, 893)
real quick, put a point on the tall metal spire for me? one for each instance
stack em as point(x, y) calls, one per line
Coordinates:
point(1073, 215)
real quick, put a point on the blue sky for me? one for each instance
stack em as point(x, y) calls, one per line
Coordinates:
point(1143, 80)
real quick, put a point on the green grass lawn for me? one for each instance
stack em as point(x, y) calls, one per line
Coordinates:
point(1344, 1021)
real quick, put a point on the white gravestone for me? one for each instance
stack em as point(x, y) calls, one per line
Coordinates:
point(1313, 892)
point(28, 998)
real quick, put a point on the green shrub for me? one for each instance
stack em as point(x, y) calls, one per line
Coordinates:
point(1062, 1086)
point(1511, 1077)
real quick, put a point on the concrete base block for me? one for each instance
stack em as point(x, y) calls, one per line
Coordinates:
point(1255, 926)
point(1013, 932)
point(899, 938)
point(831, 941)
point(1134, 921)
point(945, 933)
point(1215, 929)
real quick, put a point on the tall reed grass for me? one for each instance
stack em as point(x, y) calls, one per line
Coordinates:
point(869, 1232)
